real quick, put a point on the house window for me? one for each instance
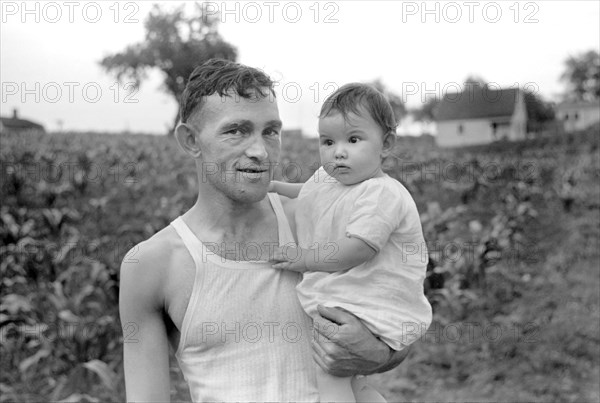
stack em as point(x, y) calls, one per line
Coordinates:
point(566, 116)
point(576, 116)
point(460, 129)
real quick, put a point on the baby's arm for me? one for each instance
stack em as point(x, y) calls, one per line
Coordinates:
point(290, 190)
point(329, 257)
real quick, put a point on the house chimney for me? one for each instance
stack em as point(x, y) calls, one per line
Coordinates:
point(15, 114)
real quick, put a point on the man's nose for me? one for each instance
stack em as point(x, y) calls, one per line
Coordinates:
point(256, 149)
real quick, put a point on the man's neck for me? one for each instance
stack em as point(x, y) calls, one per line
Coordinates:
point(217, 218)
point(232, 229)
point(219, 211)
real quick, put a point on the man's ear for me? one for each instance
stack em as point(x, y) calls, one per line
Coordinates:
point(187, 140)
point(389, 141)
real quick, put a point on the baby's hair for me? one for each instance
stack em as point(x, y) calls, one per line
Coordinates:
point(350, 97)
point(219, 76)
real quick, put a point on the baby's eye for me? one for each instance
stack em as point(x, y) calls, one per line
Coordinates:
point(354, 139)
point(327, 142)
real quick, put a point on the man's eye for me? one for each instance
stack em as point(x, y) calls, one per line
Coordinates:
point(236, 131)
point(353, 139)
point(271, 132)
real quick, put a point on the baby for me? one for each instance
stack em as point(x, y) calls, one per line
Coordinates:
point(360, 241)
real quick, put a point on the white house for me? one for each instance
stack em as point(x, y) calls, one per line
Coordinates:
point(410, 126)
point(480, 115)
point(578, 115)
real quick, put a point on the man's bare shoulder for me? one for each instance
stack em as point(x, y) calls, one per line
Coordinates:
point(154, 251)
point(146, 264)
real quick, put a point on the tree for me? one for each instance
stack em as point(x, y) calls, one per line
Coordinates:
point(539, 112)
point(175, 44)
point(475, 80)
point(394, 99)
point(582, 74)
point(427, 110)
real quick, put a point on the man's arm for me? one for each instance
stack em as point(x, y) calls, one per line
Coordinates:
point(291, 190)
point(396, 359)
point(145, 342)
point(345, 347)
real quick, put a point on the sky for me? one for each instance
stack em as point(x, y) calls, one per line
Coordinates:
point(49, 53)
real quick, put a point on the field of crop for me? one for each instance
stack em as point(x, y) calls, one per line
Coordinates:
point(513, 232)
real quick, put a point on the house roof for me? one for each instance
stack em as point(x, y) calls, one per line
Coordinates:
point(578, 105)
point(477, 102)
point(19, 124)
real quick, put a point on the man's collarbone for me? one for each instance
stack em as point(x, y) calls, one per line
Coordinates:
point(243, 250)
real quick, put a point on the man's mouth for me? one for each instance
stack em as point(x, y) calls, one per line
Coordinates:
point(252, 170)
point(253, 174)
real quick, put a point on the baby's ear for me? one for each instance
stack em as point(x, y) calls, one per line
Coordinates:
point(389, 141)
point(187, 140)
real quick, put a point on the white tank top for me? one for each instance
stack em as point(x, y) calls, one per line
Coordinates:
point(245, 336)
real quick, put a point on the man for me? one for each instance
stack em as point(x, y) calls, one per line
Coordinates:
point(205, 285)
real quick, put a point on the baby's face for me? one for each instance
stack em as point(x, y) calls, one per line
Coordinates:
point(351, 149)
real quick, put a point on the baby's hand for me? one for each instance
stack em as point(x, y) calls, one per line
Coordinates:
point(290, 258)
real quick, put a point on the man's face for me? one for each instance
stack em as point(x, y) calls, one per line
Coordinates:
point(351, 148)
point(240, 145)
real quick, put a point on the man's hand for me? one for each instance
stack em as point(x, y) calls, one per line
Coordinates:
point(343, 346)
point(290, 258)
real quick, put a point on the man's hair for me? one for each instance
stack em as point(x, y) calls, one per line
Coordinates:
point(219, 76)
point(350, 97)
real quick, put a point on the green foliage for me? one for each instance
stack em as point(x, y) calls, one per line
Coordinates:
point(582, 75)
point(539, 112)
point(427, 110)
point(73, 205)
point(474, 79)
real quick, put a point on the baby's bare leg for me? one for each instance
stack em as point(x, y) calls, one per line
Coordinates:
point(365, 393)
point(334, 388)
